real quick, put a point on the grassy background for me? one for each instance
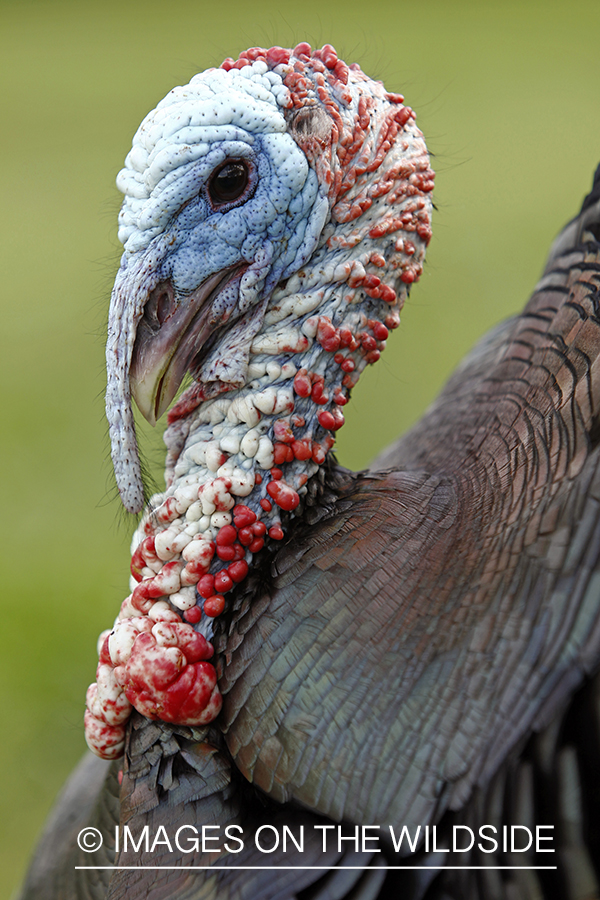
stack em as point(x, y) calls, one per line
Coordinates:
point(507, 95)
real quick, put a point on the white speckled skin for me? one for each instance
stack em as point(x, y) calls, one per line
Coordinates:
point(195, 128)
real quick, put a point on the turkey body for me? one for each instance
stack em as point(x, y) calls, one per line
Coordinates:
point(419, 649)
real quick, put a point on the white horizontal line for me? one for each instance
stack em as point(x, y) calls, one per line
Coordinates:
point(321, 868)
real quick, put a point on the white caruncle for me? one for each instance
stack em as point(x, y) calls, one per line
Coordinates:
point(250, 442)
point(186, 494)
point(194, 512)
point(287, 339)
point(122, 638)
point(213, 456)
point(218, 492)
point(266, 400)
point(170, 543)
point(198, 550)
point(219, 519)
point(161, 612)
point(230, 443)
point(114, 706)
point(295, 306)
point(264, 454)
point(100, 642)
point(242, 483)
point(185, 598)
point(243, 409)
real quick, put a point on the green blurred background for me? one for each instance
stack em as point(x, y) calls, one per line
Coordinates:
point(508, 97)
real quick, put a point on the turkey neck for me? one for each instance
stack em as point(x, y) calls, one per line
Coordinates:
point(241, 465)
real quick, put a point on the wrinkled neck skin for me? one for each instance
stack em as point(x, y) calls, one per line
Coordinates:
point(266, 440)
point(248, 437)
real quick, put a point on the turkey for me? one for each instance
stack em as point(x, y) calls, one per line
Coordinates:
point(323, 682)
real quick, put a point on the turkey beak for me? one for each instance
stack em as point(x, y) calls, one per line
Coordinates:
point(154, 335)
point(169, 336)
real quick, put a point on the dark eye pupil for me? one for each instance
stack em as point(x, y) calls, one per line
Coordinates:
point(229, 183)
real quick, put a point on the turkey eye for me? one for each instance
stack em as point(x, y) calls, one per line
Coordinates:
point(228, 183)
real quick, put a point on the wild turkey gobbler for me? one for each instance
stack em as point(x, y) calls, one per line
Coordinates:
point(304, 645)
